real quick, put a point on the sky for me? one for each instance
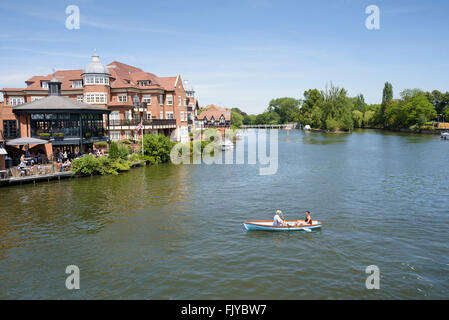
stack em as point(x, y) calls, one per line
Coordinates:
point(237, 53)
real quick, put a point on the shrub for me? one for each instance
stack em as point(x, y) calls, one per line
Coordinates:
point(44, 134)
point(157, 147)
point(332, 124)
point(59, 134)
point(118, 151)
point(134, 157)
point(88, 165)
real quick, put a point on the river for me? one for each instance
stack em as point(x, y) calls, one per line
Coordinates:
point(175, 232)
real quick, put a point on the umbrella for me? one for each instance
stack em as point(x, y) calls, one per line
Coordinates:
point(24, 141)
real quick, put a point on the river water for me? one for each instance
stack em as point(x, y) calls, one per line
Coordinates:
point(175, 232)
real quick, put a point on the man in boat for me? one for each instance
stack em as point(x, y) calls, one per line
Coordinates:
point(277, 220)
point(307, 221)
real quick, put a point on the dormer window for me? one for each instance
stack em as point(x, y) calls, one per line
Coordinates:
point(222, 119)
point(44, 84)
point(77, 84)
point(144, 83)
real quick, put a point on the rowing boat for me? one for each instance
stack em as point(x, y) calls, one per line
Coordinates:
point(268, 225)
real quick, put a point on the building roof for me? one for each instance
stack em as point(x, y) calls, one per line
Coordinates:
point(96, 66)
point(216, 112)
point(57, 103)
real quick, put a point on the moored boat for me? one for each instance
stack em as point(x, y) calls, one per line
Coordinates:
point(227, 145)
point(267, 225)
point(445, 135)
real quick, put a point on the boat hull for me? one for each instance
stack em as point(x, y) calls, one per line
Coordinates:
point(267, 225)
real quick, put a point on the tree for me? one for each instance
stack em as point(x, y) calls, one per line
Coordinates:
point(157, 147)
point(236, 118)
point(286, 108)
point(357, 117)
point(387, 97)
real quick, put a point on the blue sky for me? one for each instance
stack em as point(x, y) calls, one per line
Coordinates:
point(237, 53)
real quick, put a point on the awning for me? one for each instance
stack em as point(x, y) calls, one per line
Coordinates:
point(24, 141)
point(2, 151)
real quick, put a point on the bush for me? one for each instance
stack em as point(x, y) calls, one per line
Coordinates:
point(157, 148)
point(90, 165)
point(87, 165)
point(44, 134)
point(134, 157)
point(118, 151)
point(332, 124)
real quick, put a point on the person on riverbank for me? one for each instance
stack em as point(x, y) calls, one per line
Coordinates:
point(307, 221)
point(277, 220)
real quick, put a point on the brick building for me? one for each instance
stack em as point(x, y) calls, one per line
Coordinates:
point(130, 94)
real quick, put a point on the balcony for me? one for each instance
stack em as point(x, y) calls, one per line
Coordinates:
point(131, 124)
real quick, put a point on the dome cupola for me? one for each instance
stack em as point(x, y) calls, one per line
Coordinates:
point(96, 67)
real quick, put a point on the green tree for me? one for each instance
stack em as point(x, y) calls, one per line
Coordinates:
point(157, 147)
point(387, 97)
point(357, 117)
point(286, 108)
point(236, 119)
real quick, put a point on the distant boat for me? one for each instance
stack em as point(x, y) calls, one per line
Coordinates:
point(227, 145)
point(445, 135)
point(238, 135)
point(307, 127)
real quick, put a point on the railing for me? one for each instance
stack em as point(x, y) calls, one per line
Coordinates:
point(145, 122)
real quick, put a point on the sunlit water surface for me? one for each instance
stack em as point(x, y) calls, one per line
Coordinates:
point(175, 232)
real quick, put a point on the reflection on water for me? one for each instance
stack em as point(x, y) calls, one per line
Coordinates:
point(173, 232)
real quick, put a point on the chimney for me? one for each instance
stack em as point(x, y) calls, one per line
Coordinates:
point(54, 87)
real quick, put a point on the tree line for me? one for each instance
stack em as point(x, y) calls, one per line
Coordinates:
point(332, 109)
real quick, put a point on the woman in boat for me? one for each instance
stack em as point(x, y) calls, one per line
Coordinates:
point(277, 220)
point(307, 221)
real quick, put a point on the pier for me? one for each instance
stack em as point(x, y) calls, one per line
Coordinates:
point(36, 178)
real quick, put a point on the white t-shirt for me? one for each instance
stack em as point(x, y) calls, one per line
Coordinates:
point(277, 221)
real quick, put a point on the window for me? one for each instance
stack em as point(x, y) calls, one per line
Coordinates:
point(115, 115)
point(185, 102)
point(179, 100)
point(128, 115)
point(146, 99)
point(169, 100)
point(222, 120)
point(144, 83)
point(182, 116)
point(128, 135)
point(80, 98)
point(77, 84)
point(96, 79)
point(44, 84)
point(122, 98)
point(35, 98)
point(161, 115)
point(95, 98)
point(10, 128)
point(14, 101)
point(136, 100)
point(169, 115)
point(161, 99)
point(149, 115)
point(115, 135)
